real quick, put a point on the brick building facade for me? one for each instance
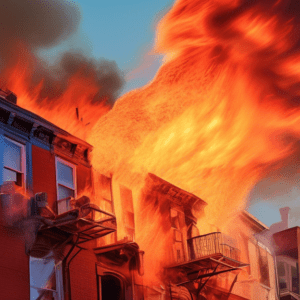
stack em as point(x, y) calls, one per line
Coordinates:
point(68, 232)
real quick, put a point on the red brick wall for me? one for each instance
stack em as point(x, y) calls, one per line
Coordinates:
point(44, 176)
point(83, 276)
point(14, 267)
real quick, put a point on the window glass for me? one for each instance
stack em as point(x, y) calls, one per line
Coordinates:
point(65, 185)
point(64, 192)
point(65, 175)
point(12, 155)
point(282, 283)
point(42, 278)
point(64, 205)
point(281, 269)
point(8, 175)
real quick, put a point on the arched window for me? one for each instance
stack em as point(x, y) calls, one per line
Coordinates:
point(111, 288)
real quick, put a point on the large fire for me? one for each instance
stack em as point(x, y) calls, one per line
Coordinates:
point(72, 110)
point(220, 112)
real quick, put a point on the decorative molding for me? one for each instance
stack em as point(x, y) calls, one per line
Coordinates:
point(29, 126)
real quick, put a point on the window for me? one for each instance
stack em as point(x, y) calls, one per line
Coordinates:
point(192, 232)
point(45, 278)
point(13, 162)
point(103, 197)
point(110, 288)
point(281, 275)
point(104, 189)
point(263, 266)
point(128, 211)
point(176, 220)
point(66, 184)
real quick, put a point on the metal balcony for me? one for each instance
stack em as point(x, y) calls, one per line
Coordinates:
point(211, 244)
point(209, 255)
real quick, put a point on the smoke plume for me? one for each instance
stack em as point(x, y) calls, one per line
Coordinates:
point(29, 26)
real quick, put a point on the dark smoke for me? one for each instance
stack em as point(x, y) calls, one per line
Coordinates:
point(102, 73)
point(29, 26)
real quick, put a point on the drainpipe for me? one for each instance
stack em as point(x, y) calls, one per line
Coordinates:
point(67, 269)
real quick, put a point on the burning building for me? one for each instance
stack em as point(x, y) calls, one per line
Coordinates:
point(221, 112)
point(47, 222)
point(69, 232)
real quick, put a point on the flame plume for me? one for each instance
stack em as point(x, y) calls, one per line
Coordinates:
point(221, 110)
point(53, 90)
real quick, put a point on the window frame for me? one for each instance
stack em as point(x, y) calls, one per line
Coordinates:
point(102, 271)
point(22, 158)
point(58, 293)
point(178, 243)
point(126, 197)
point(264, 266)
point(74, 173)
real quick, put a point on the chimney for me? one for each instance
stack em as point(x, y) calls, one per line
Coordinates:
point(284, 212)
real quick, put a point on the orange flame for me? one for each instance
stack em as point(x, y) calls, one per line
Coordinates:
point(220, 112)
point(73, 111)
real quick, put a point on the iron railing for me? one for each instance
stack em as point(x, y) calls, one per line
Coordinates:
point(212, 243)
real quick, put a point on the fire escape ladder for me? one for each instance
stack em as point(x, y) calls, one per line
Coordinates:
point(205, 282)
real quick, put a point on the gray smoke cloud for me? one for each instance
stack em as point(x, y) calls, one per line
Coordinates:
point(29, 26)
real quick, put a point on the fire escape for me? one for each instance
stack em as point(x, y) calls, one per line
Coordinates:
point(47, 231)
point(209, 255)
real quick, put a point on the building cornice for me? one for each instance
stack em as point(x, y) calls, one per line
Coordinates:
point(34, 127)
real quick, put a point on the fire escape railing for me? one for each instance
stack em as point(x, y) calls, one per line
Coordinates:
point(209, 244)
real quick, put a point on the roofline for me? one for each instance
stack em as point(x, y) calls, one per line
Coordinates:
point(37, 119)
point(254, 220)
point(198, 199)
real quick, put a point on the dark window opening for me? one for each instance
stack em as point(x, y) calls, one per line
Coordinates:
point(44, 134)
point(22, 125)
point(282, 284)
point(111, 288)
point(4, 115)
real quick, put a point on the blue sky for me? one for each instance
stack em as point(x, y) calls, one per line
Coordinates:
point(123, 31)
